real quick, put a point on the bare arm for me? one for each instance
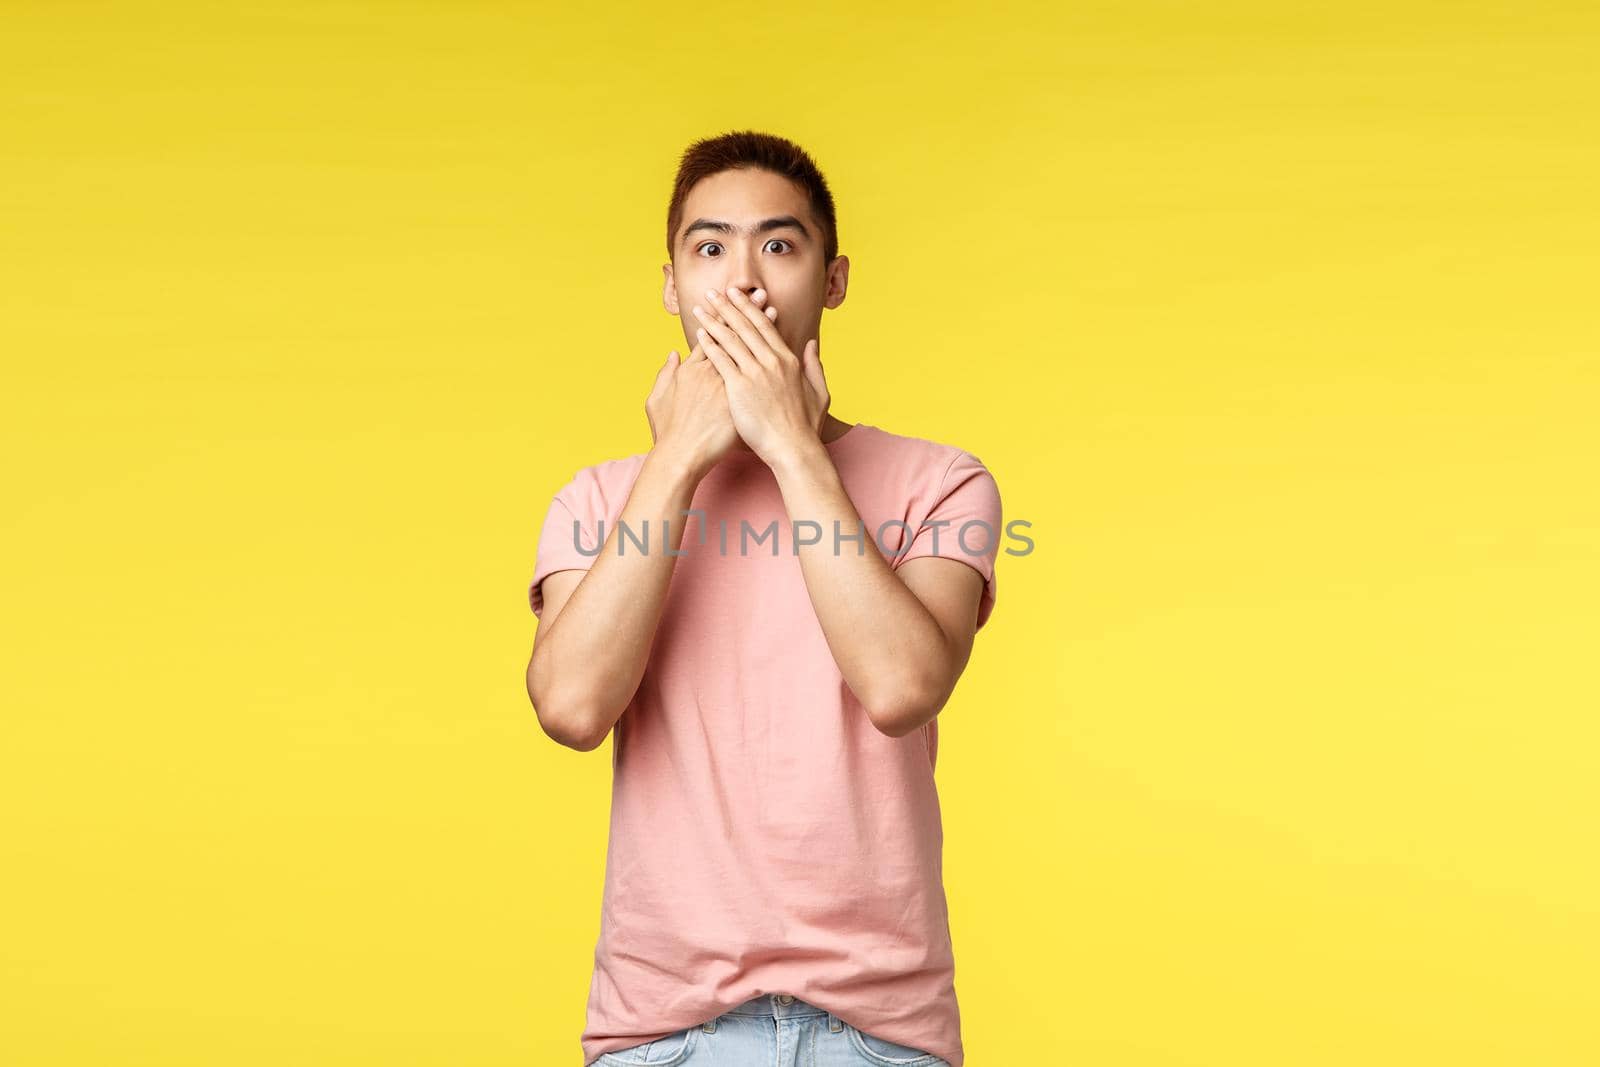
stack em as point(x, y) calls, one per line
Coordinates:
point(598, 625)
point(901, 640)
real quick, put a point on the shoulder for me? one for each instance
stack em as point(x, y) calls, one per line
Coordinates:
point(602, 488)
point(919, 460)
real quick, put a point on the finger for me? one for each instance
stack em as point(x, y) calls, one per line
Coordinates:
point(749, 319)
point(695, 354)
point(664, 373)
point(725, 365)
point(738, 318)
point(742, 315)
point(713, 327)
point(774, 338)
point(718, 321)
point(812, 361)
point(658, 389)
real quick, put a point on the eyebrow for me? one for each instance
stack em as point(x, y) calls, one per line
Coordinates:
point(764, 226)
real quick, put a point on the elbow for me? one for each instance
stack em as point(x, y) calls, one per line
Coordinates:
point(583, 742)
point(564, 719)
point(905, 711)
point(568, 726)
point(919, 692)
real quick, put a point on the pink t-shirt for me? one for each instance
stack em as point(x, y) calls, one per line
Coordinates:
point(765, 836)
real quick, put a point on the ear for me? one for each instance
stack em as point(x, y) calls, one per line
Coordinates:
point(669, 292)
point(838, 281)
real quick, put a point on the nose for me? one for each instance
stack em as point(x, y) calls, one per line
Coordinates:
point(742, 273)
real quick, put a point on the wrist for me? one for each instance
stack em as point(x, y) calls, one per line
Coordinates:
point(676, 465)
point(799, 456)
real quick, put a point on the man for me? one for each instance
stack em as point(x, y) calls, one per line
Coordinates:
point(773, 890)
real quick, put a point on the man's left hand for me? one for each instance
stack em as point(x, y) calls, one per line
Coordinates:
point(778, 401)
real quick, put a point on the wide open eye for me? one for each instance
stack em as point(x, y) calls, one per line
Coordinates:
point(708, 244)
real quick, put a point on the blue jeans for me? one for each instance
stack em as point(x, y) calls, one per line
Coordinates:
point(774, 1030)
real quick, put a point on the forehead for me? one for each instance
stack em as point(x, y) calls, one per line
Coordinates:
point(744, 196)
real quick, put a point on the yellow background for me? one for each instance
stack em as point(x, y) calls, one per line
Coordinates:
point(1276, 322)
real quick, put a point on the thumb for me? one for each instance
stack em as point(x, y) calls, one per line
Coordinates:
point(664, 372)
point(811, 361)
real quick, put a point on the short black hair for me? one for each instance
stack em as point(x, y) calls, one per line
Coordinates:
point(748, 149)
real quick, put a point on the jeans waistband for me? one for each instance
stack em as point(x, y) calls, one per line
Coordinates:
point(777, 1006)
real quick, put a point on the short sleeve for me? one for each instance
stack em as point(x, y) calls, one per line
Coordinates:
point(963, 524)
point(568, 538)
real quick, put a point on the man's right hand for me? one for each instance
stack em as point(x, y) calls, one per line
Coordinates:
point(688, 409)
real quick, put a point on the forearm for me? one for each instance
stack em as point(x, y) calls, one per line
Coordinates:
point(891, 651)
point(590, 663)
